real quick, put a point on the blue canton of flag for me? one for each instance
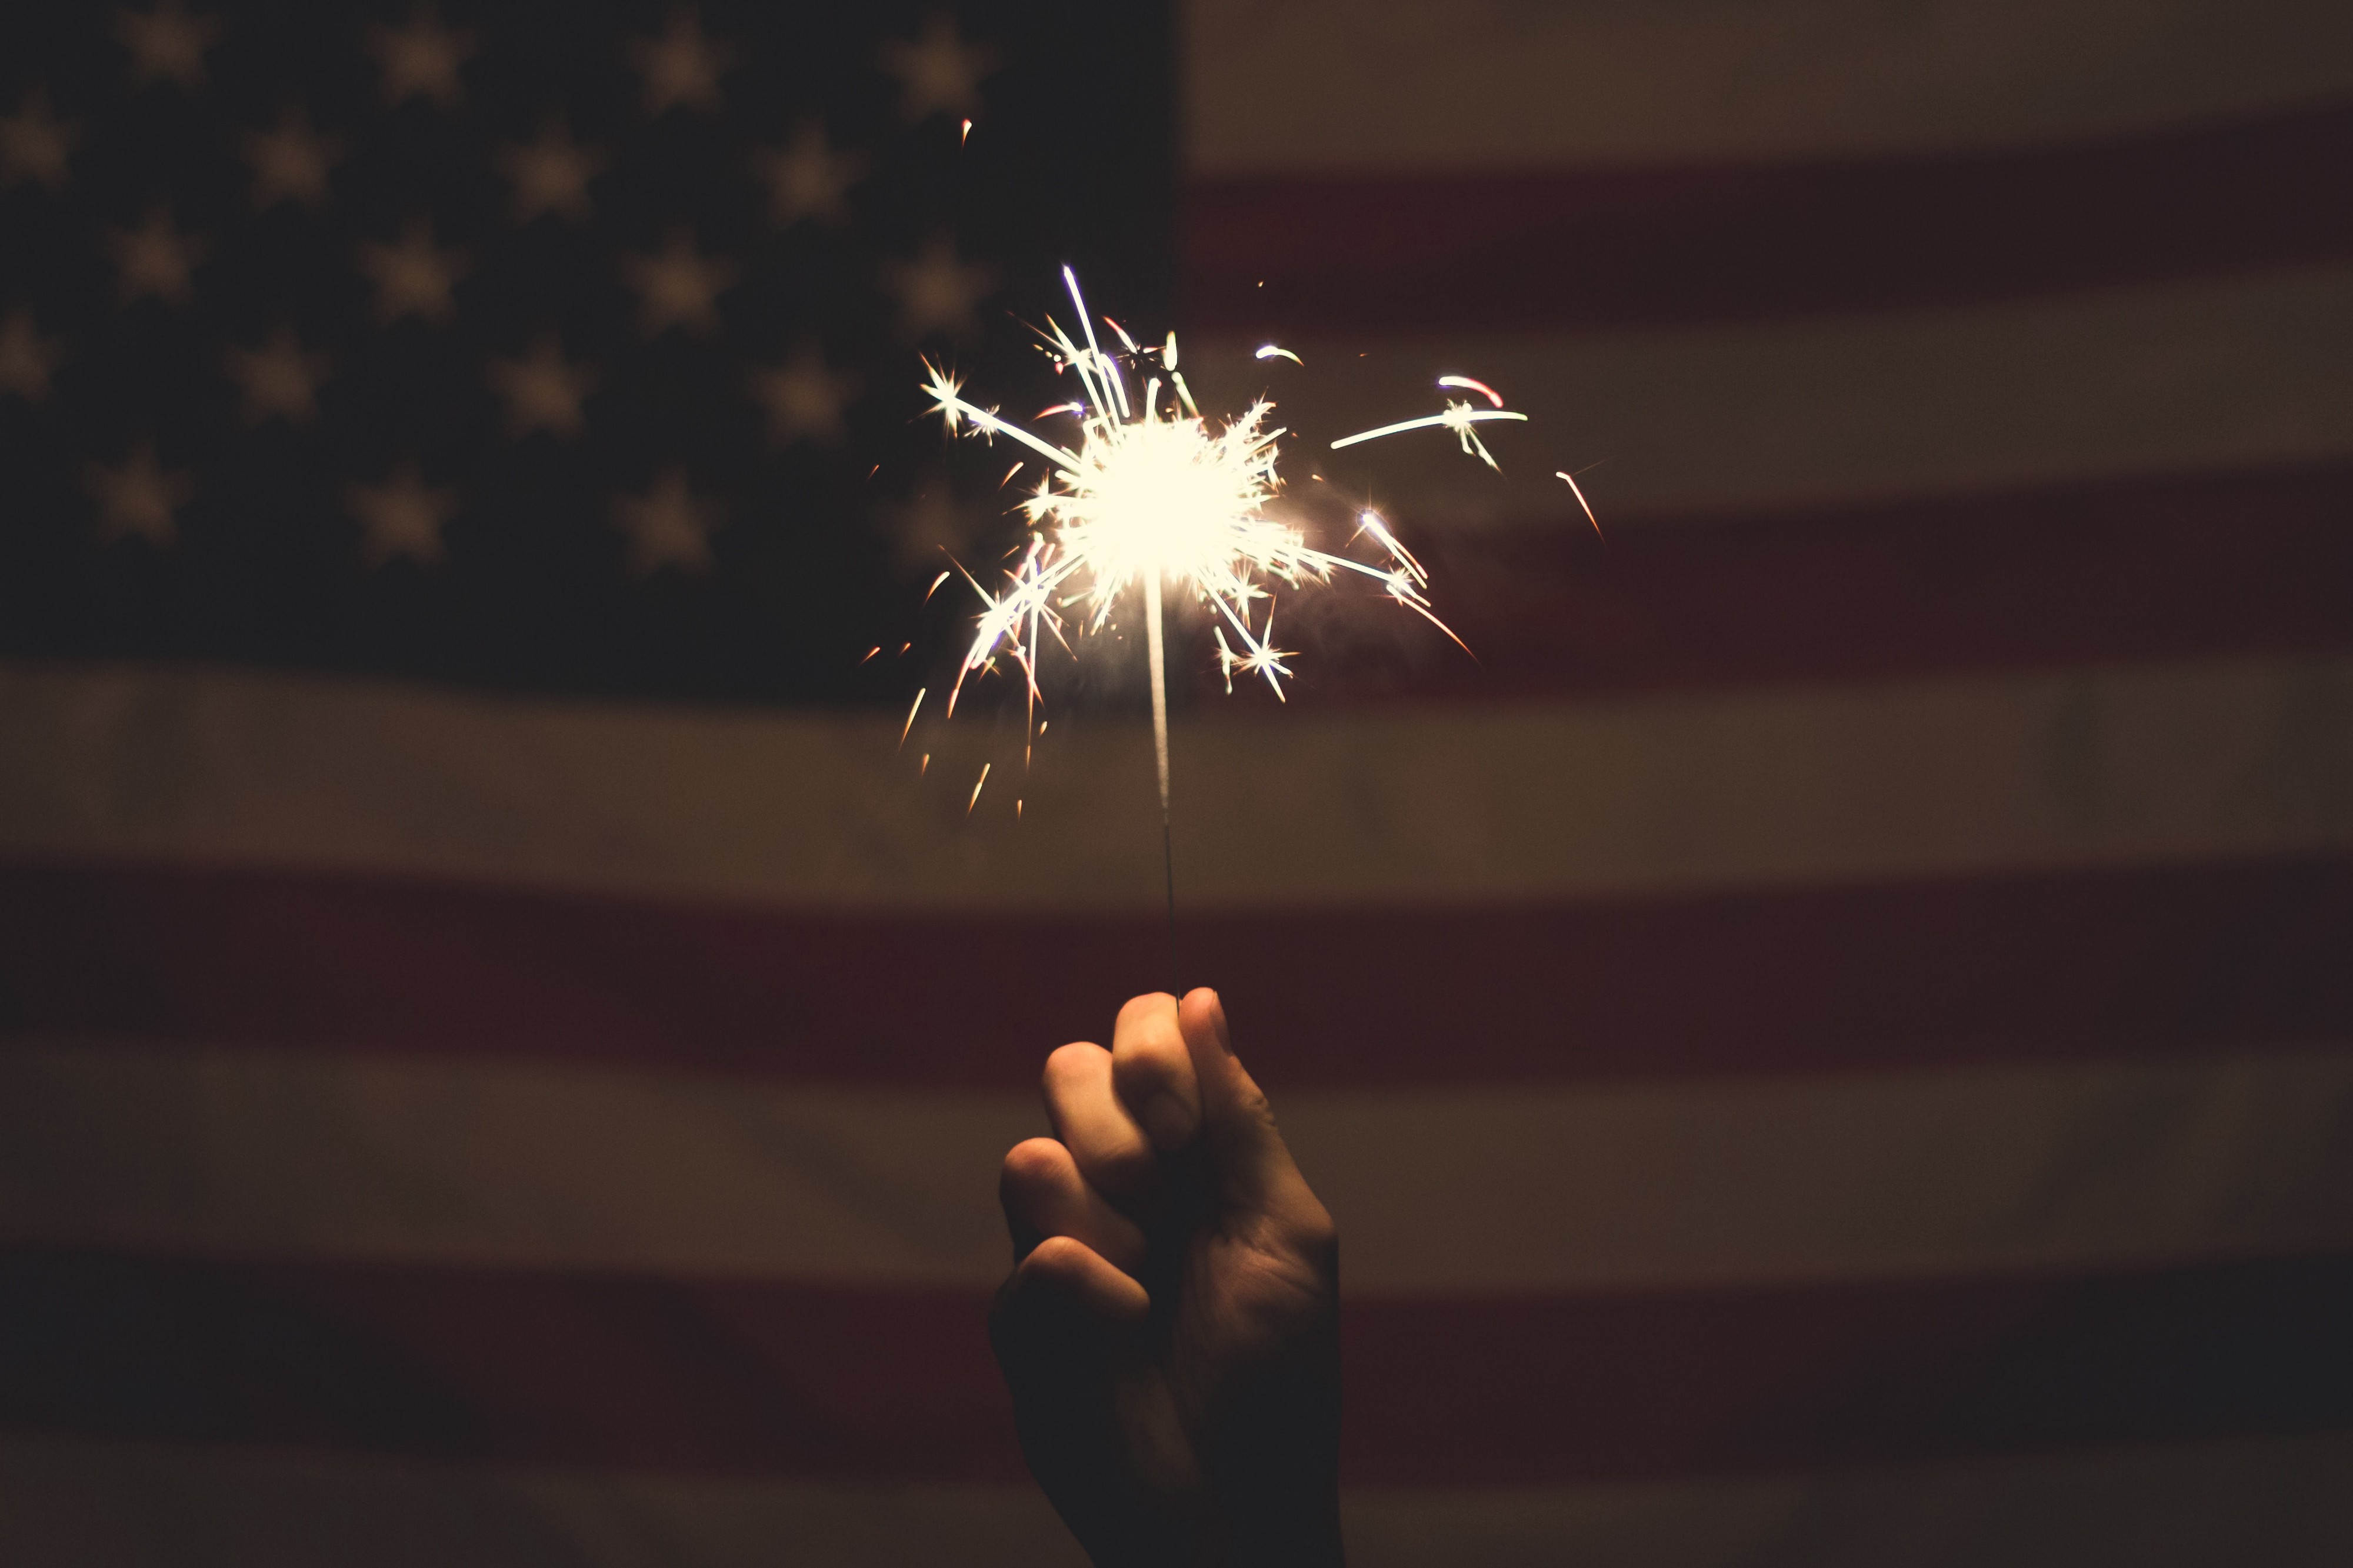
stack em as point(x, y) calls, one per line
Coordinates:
point(532, 345)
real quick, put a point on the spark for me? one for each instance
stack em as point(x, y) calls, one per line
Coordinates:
point(871, 652)
point(935, 588)
point(1271, 352)
point(1578, 490)
point(1459, 418)
point(1370, 522)
point(916, 707)
point(976, 784)
point(967, 133)
point(925, 766)
point(1467, 385)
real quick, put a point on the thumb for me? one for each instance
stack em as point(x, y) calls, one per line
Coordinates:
point(1248, 1164)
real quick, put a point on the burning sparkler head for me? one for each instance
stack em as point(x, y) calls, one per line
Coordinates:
point(1154, 494)
point(1169, 495)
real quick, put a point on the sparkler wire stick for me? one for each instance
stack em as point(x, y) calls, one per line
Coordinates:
point(1154, 646)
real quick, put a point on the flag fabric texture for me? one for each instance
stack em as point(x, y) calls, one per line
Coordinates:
point(1828, 1033)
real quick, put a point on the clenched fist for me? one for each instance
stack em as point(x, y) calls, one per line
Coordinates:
point(1170, 1330)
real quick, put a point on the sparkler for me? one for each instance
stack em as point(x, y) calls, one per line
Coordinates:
point(1150, 493)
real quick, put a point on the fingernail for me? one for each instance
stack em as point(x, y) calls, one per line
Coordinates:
point(1169, 1120)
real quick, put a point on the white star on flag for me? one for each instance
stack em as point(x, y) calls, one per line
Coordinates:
point(279, 379)
point(937, 292)
point(804, 399)
point(542, 390)
point(808, 178)
point(139, 499)
point(682, 66)
point(666, 526)
point(28, 360)
point(156, 259)
point(166, 44)
point(679, 286)
point(550, 174)
point(291, 163)
point(422, 59)
point(35, 144)
point(412, 277)
point(938, 72)
point(402, 516)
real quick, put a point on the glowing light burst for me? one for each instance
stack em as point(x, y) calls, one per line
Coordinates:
point(1150, 493)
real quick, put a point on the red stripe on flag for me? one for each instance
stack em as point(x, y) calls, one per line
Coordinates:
point(1549, 249)
point(2148, 961)
point(597, 1370)
point(2218, 564)
point(1492, 1392)
point(610, 1372)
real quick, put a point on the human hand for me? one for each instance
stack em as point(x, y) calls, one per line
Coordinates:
point(1171, 1328)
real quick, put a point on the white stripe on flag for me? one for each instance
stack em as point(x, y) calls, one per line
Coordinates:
point(1296, 85)
point(2242, 372)
point(2089, 768)
point(1791, 1181)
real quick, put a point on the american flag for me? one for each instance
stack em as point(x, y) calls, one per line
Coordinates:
point(1830, 1042)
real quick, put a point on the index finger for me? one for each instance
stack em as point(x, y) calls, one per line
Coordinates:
point(1153, 1071)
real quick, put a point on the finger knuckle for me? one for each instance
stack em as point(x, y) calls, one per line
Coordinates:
point(1033, 1166)
point(1315, 1234)
point(1126, 1168)
point(1073, 1062)
point(1149, 1064)
point(1151, 1006)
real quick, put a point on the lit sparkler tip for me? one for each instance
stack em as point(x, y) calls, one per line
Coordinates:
point(1270, 351)
point(1151, 492)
